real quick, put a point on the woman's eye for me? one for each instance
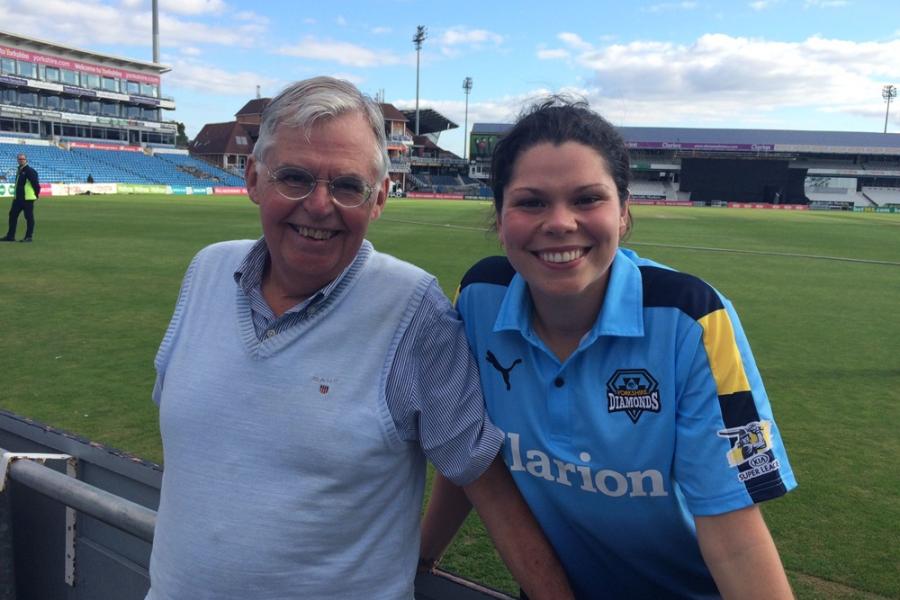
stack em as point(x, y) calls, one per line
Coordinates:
point(588, 200)
point(529, 203)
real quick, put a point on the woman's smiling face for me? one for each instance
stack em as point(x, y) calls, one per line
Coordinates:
point(562, 219)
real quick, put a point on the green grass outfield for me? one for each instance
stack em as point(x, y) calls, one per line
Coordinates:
point(83, 308)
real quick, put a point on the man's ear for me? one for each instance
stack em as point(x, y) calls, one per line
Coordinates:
point(251, 178)
point(380, 193)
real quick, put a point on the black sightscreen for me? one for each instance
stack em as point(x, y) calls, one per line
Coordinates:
point(738, 180)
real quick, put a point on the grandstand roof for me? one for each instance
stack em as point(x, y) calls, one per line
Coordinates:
point(490, 128)
point(430, 120)
point(674, 138)
point(39, 44)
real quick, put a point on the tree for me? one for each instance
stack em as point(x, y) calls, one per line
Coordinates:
point(181, 138)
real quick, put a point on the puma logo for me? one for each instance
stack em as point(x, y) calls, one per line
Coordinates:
point(504, 371)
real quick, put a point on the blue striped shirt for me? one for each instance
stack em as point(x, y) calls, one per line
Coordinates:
point(433, 392)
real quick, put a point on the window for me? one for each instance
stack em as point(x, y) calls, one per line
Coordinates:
point(150, 114)
point(90, 81)
point(70, 104)
point(8, 95)
point(241, 140)
point(69, 77)
point(28, 99)
point(51, 74)
point(51, 102)
point(27, 69)
point(110, 84)
point(91, 107)
point(132, 87)
point(8, 66)
point(148, 89)
point(110, 109)
point(133, 112)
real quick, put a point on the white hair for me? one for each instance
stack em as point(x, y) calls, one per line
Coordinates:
point(303, 103)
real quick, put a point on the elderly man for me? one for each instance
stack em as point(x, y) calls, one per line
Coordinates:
point(305, 378)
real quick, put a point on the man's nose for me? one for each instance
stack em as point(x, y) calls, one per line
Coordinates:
point(319, 202)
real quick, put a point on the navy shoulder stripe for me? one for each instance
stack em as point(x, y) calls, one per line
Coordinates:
point(690, 294)
point(493, 269)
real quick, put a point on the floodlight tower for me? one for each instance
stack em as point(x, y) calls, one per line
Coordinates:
point(155, 9)
point(421, 34)
point(467, 88)
point(888, 92)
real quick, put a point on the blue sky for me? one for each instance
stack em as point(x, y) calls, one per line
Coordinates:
point(774, 64)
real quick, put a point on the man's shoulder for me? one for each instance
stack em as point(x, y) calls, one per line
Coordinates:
point(390, 265)
point(225, 251)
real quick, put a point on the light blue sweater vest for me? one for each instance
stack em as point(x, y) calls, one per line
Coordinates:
point(284, 475)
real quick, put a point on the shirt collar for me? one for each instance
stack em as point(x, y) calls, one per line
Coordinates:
point(249, 273)
point(621, 313)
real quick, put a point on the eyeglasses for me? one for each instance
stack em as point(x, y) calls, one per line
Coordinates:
point(295, 183)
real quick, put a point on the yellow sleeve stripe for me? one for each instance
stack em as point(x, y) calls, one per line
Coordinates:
point(724, 357)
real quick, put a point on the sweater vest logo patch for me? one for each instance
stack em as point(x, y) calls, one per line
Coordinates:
point(325, 383)
point(632, 391)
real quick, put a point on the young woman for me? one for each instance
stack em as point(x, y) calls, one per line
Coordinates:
point(637, 426)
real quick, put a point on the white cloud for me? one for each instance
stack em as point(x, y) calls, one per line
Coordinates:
point(340, 20)
point(670, 6)
point(552, 53)
point(190, 74)
point(825, 3)
point(343, 53)
point(574, 41)
point(381, 30)
point(91, 22)
point(457, 36)
point(190, 51)
point(763, 4)
point(720, 78)
point(192, 7)
point(353, 78)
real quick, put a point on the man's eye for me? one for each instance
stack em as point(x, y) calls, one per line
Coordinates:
point(349, 185)
point(295, 178)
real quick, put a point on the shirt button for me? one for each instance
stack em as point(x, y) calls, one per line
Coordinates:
point(559, 382)
point(270, 333)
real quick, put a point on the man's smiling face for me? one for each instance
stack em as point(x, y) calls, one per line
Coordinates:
point(311, 241)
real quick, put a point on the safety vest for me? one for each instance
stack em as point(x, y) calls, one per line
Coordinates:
point(29, 189)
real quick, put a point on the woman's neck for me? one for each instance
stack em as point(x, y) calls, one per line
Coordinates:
point(561, 322)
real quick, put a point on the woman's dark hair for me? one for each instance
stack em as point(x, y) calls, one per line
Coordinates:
point(557, 120)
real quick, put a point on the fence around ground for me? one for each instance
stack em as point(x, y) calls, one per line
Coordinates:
point(76, 521)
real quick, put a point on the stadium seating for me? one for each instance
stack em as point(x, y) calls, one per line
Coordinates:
point(880, 196)
point(56, 165)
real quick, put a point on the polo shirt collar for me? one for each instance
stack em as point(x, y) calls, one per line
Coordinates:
point(248, 275)
point(621, 314)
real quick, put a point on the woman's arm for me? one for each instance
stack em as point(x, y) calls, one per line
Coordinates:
point(741, 555)
point(447, 509)
point(513, 529)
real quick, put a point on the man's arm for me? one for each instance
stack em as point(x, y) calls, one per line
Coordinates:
point(741, 555)
point(516, 534)
point(35, 183)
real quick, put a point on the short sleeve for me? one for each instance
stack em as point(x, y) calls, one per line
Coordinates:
point(729, 452)
point(434, 394)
